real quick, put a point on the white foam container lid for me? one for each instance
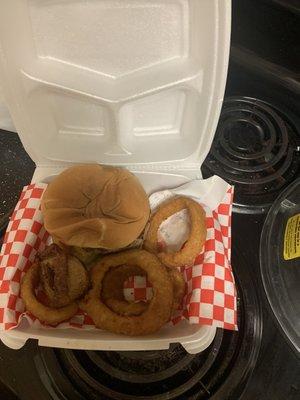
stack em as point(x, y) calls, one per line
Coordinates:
point(134, 83)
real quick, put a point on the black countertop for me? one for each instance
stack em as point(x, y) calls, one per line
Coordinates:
point(16, 171)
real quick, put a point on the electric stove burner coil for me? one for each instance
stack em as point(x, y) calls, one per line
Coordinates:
point(255, 149)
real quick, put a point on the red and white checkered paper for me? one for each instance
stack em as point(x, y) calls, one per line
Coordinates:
point(211, 292)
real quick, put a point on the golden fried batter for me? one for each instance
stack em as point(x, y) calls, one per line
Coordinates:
point(113, 294)
point(194, 244)
point(157, 313)
point(51, 316)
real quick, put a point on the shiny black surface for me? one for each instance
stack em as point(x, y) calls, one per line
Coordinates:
point(16, 169)
point(276, 375)
point(270, 28)
point(257, 149)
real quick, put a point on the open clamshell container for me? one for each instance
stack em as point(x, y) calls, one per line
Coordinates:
point(134, 83)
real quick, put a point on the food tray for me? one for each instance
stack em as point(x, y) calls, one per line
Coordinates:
point(206, 292)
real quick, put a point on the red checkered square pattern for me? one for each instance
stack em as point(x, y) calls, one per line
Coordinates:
point(211, 293)
point(24, 236)
point(137, 288)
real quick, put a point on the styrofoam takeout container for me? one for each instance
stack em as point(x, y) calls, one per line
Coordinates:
point(134, 83)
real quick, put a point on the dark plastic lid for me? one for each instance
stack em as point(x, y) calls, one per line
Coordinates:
point(280, 261)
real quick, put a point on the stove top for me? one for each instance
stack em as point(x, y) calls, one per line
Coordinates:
point(257, 149)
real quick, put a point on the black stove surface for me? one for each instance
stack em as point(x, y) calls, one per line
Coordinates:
point(15, 172)
point(257, 149)
point(254, 363)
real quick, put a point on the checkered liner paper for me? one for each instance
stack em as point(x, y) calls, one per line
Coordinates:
point(210, 289)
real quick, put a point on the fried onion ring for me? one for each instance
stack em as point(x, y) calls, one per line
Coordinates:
point(193, 245)
point(49, 315)
point(178, 287)
point(113, 294)
point(69, 286)
point(128, 308)
point(157, 313)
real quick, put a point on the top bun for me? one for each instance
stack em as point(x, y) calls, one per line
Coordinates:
point(95, 206)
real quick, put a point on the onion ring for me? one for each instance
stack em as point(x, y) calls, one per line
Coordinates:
point(49, 315)
point(113, 281)
point(113, 294)
point(193, 245)
point(157, 313)
point(124, 307)
point(76, 282)
point(178, 287)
